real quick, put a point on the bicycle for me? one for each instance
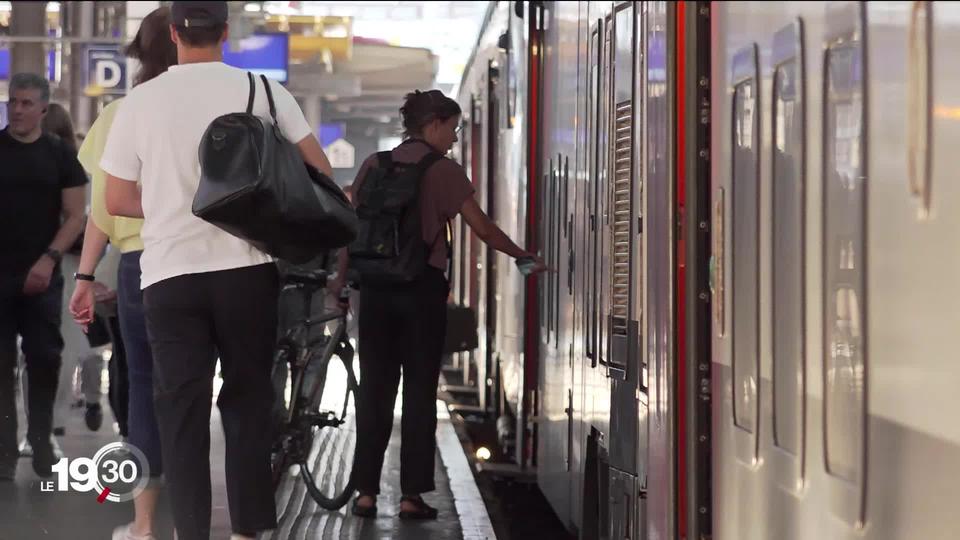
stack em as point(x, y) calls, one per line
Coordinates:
point(303, 409)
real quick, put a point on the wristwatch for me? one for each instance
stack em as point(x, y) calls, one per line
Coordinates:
point(54, 254)
point(83, 277)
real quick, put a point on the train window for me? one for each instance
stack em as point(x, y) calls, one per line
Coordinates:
point(543, 196)
point(590, 298)
point(559, 199)
point(719, 253)
point(787, 244)
point(622, 188)
point(919, 98)
point(605, 154)
point(746, 217)
point(844, 245)
point(551, 238)
point(623, 60)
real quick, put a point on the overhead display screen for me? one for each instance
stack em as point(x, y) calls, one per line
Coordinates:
point(262, 54)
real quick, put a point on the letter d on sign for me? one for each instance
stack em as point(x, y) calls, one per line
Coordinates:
point(108, 73)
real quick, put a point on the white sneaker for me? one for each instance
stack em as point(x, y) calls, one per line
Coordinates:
point(124, 533)
point(26, 450)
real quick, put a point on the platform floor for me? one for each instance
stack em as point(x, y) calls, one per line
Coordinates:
point(27, 513)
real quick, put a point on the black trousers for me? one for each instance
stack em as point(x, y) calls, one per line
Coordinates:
point(36, 319)
point(192, 319)
point(400, 327)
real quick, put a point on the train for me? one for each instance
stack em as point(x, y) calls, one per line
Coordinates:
point(748, 330)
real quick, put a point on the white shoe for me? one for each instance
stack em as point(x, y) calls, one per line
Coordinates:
point(26, 450)
point(124, 533)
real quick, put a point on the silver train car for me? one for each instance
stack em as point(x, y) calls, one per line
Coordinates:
point(747, 206)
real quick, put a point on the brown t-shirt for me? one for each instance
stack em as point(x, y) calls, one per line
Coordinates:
point(444, 189)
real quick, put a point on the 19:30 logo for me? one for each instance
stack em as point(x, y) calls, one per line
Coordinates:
point(118, 473)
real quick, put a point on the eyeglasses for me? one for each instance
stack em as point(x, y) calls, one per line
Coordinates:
point(458, 129)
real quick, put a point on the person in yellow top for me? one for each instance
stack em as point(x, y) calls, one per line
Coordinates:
point(155, 51)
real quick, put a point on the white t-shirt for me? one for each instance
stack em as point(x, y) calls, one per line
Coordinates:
point(155, 139)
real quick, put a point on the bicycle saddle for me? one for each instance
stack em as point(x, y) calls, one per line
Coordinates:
point(317, 278)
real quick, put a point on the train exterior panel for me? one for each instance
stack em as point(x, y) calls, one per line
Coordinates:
point(746, 207)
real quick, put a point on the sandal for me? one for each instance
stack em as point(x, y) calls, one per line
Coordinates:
point(423, 511)
point(364, 511)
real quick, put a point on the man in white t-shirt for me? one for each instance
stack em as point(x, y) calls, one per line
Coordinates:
point(206, 293)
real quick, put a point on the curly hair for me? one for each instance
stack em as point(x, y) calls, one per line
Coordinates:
point(421, 108)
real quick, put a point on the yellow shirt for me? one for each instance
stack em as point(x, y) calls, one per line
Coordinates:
point(124, 232)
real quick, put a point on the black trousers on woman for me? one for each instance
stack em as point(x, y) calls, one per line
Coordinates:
point(400, 327)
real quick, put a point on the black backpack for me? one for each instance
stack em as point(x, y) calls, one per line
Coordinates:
point(389, 247)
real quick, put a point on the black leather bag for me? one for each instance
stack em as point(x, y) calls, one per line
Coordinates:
point(461, 330)
point(255, 185)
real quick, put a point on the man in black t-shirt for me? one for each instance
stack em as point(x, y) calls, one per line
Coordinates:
point(41, 215)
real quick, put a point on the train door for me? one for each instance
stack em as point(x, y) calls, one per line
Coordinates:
point(488, 361)
point(658, 263)
point(475, 245)
point(594, 501)
point(461, 232)
point(622, 273)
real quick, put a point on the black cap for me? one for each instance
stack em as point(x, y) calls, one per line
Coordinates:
point(194, 14)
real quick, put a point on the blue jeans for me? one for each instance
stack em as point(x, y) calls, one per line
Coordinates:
point(142, 421)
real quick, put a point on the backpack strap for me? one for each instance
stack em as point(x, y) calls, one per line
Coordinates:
point(385, 160)
point(253, 91)
point(273, 107)
point(427, 161)
point(447, 239)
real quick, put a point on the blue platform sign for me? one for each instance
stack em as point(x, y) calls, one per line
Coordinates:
point(262, 54)
point(5, 64)
point(106, 70)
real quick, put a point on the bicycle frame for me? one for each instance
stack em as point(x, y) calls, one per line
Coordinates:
point(303, 352)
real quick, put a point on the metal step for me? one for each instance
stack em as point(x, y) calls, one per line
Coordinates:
point(458, 389)
point(508, 470)
point(465, 409)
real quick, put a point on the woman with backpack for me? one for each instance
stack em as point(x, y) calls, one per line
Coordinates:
point(404, 292)
point(155, 52)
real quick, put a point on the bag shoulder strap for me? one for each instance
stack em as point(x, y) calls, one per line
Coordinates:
point(253, 92)
point(273, 107)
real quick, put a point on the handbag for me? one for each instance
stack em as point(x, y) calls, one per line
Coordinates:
point(255, 185)
point(461, 332)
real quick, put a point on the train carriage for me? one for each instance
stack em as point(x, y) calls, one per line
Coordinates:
point(747, 332)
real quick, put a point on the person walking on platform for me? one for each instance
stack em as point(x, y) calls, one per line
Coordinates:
point(85, 350)
point(402, 325)
point(41, 215)
point(205, 291)
point(155, 52)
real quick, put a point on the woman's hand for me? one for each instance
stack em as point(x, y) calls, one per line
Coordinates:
point(539, 264)
point(82, 303)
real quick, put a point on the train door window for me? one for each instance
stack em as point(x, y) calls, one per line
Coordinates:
point(545, 193)
point(563, 177)
point(621, 187)
point(603, 189)
point(746, 217)
point(844, 257)
point(590, 261)
point(787, 244)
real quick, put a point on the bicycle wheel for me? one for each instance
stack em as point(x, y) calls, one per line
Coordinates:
point(283, 438)
point(326, 469)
